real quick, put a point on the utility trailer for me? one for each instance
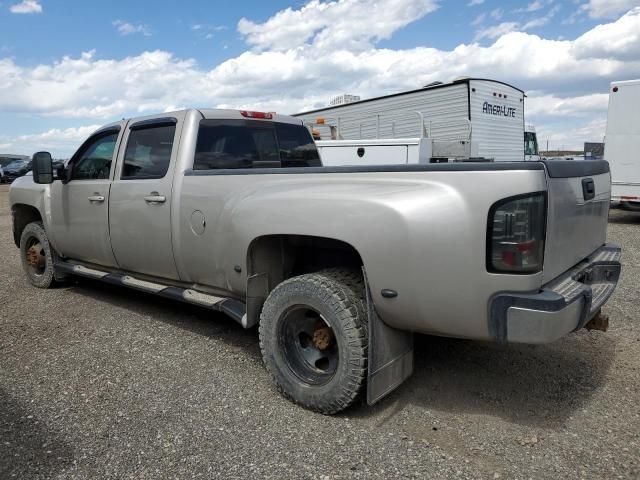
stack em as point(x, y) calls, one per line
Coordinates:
point(622, 142)
point(468, 118)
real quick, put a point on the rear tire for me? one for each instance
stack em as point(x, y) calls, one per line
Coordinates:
point(314, 341)
point(37, 257)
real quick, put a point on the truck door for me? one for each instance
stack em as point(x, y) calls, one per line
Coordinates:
point(79, 208)
point(141, 192)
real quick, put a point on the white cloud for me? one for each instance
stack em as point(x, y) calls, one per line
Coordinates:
point(564, 73)
point(617, 41)
point(60, 142)
point(346, 24)
point(543, 105)
point(478, 20)
point(534, 6)
point(496, 13)
point(496, 31)
point(26, 6)
point(571, 138)
point(503, 28)
point(608, 8)
point(127, 28)
point(473, 3)
point(541, 21)
point(86, 87)
point(207, 31)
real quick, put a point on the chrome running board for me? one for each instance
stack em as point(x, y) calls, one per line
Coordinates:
point(236, 309)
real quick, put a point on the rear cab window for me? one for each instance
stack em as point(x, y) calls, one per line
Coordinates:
point(234, 144)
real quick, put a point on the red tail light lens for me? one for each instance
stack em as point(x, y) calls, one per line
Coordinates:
point(516, 232)
point(265, 115)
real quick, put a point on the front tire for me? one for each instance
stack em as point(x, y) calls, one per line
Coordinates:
point(37, 256)
point(313, 339)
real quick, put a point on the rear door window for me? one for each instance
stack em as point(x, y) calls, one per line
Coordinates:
point(233, 144)
point(148, 152)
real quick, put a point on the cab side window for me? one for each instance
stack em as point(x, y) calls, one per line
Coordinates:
point(148, 152)
point(95, 159)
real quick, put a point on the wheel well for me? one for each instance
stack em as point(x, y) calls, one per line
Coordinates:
point(22, 216)
point(274, 258)
point(285, 256)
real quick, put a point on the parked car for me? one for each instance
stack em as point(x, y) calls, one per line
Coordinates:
point(233, 211)
point(16, 169)
point(3, 163)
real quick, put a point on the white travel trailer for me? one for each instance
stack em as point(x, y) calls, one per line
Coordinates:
point(468, 118)
point(622, 142)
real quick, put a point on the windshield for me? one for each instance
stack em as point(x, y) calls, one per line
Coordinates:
point(530, 143)
point(16, 164)
point(6, 161)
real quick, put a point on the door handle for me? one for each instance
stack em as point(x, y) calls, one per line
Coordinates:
point(96, 198)
point(154, 197)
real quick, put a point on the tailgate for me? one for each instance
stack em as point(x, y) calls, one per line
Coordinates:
point(578, 209)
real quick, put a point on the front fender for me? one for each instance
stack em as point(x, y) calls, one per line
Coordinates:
point(24, 191)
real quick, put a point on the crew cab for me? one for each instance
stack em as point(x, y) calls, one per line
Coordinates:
point(233, 211)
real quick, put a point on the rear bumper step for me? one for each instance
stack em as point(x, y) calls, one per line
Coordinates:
point(232, 307)
point(563, 305)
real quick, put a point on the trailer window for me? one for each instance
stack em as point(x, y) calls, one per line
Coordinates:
point(530, 143)
point(233, 144)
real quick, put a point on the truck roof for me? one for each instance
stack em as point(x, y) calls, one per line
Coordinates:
point(427, 87)
point(211, 113)
point(208, 113)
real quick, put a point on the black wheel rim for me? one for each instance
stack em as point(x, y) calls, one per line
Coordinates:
point(309, 345)
point(35, 256)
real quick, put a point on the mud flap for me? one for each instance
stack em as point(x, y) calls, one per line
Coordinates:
point(390, 355)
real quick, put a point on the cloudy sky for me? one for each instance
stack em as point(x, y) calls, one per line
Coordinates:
point(69, 66)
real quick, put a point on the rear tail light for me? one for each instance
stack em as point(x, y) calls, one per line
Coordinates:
point(516, 232)
point(265, 115)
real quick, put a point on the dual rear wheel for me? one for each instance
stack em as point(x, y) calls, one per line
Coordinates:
point(314, 341)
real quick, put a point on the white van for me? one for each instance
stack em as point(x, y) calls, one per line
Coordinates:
point(622, 142)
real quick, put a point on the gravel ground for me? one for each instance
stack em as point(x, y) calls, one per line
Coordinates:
point(102, 382)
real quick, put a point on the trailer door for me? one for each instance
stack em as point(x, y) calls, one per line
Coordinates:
point(497, 120)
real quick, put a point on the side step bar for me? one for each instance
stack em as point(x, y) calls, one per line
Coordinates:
point(232, 307)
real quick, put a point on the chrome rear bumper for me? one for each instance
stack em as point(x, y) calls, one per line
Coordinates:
point(561, 306)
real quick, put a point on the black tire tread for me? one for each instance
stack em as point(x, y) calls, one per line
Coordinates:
point(48, 279)
point(340, 288)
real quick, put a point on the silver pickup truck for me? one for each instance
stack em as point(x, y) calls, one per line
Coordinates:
point(233, 211)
